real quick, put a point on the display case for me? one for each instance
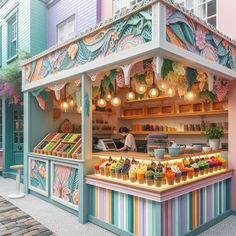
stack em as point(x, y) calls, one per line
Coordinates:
point(61, 145)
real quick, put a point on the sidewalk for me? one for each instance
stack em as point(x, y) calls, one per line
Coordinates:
point(55, 219)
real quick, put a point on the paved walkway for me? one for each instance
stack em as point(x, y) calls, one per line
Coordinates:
point(227, 227)
point(15, 222)
point(55, 219)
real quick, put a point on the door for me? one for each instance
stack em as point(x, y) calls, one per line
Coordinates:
point(18, 135)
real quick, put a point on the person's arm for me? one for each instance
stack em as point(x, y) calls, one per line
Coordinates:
point(122, 149)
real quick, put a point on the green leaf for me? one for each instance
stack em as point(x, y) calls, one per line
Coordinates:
point(191, 75)
point(176, 28)
point(207, 96)
point(188, 33)
point(223, 60)
point(221, 50)
point(167, 66)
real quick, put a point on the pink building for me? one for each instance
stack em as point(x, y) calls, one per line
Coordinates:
point(215, 12)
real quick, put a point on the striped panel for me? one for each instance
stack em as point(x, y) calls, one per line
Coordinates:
point(174, 217)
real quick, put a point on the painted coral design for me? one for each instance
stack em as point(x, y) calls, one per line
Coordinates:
point(179, 68)
point(42, 171)
point(72, 51)
point(200, 38)
point(65, 185)
point(221, 88)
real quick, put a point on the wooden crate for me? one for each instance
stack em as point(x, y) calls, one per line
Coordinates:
point(197, 107)
point(167, 109)
point(77, 152)
point(185, 108)
point(153, 110)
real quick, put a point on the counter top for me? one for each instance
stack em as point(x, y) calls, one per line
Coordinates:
point(154, 193)
point(145, 156)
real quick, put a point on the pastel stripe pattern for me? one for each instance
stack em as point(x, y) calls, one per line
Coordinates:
point(174, 217)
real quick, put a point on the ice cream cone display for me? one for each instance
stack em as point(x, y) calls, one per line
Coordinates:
point(159, 174)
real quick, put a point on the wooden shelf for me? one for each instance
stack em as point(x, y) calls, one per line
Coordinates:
point(174, 132)
point(103, 113)
point(148, 99)
point(103, 131)
point(171, 115)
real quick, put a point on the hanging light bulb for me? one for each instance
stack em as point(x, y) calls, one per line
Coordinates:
point(189, 96)
point(72, 103)
point(108, 97)
point(171, 92)
point(115, 101)
point(101, 101)
point(153, 93)
point(163, 85)
point(130, 96)
point(64, 105)
point(141, 88)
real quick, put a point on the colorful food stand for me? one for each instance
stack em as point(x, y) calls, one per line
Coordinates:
point(158, 70)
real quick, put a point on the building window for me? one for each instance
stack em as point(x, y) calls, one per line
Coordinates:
point(66, 30)
point(12, 36)
point(205, 9)
point(120, 5)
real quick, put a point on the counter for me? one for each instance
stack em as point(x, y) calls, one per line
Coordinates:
point(171, 210)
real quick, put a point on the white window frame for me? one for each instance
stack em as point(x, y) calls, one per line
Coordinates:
point(63, 23)
point(195, 10)
point(123, 5)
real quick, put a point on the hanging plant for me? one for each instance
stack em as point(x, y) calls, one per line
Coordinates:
point(141, 79)
point(10, 82)
point(167, 67)
point(207, 96)
point(191, 75)
point(220, 88)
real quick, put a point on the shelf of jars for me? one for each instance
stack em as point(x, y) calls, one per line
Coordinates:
point(159, 176)
point(174, 110)
point(170, 132)
point(60, 145)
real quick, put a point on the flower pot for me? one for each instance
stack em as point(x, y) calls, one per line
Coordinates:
point(214, 144)
point(158, 182)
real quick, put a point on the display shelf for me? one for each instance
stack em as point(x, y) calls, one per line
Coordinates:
point(144, 100)
point(172, 115)
point(93, 179)
point(104, 113)
point(104, 132)
point(170, 133)
point(145, 156)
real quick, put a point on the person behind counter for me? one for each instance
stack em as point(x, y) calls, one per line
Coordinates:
point(129, 143)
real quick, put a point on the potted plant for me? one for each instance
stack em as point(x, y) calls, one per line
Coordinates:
point(214, 134)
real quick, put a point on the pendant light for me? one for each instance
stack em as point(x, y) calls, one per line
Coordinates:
point(115, 101)
point(101, 101)
point(162, 85)
point(141, 88)
point(171, 92)
point(108, 97)
point(189, 96)
point(153, 93)
point(72, 103)
point(64, 105)
point(130, 96)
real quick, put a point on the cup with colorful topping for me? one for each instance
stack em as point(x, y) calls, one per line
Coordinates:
point(132, 173)
point(158, 179)
point(113, 170)
point(107, 169)
point(141, 175)
point(149, 177)
point(196, 169)
point(178, 174)
point(170, 176)
point(206, 167)
point(201, 167)
point(184, 174)
point(190, 172)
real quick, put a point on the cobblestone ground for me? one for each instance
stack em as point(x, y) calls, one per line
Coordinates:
point(15, 222)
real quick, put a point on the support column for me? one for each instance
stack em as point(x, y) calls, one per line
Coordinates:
point(86, 134)
point(232, 140)
point(27, 127)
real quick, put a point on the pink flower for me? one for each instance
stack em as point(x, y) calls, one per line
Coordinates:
point(41, 102)
point(115, 36)
point(42, 171)
point(72, 51)
point(200, 38)
point(75, 196)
